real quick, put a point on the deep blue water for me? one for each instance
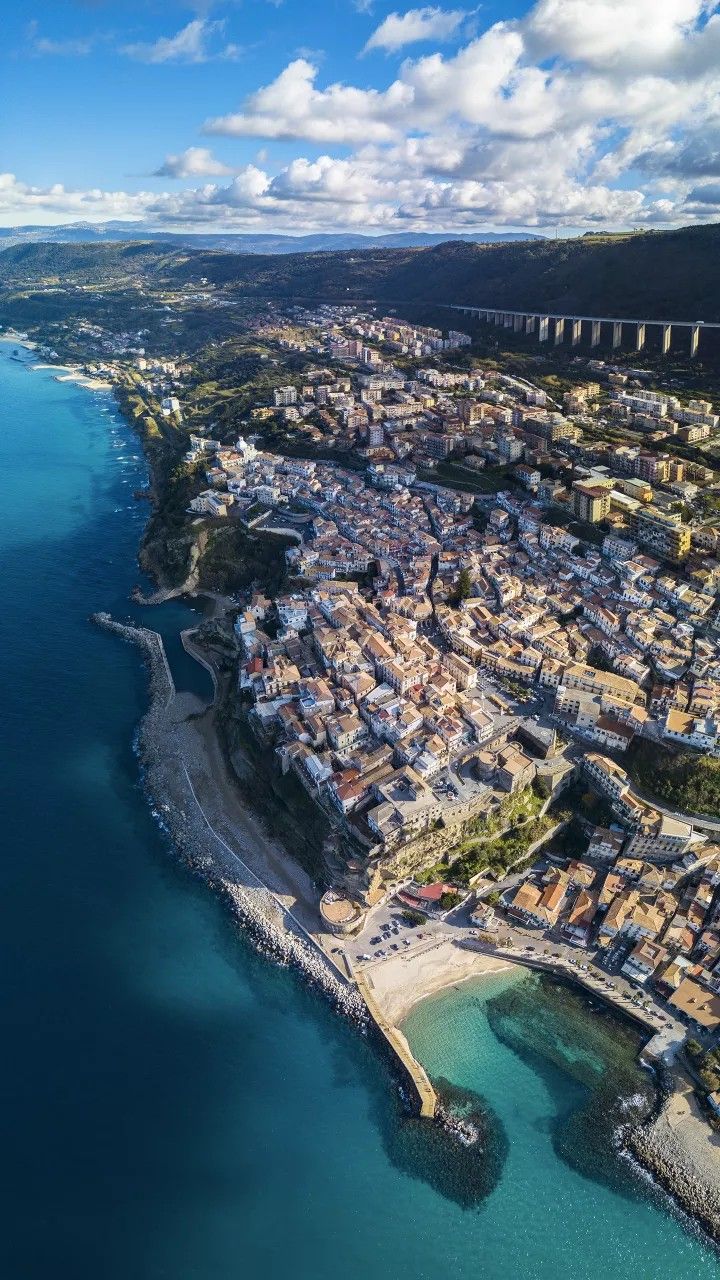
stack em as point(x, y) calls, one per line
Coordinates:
point(173, 1106)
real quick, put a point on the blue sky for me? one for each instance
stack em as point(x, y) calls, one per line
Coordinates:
point(293, 116)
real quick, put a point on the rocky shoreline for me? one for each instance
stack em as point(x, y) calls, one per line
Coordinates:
point(254, 907)
point(681, 1158)
point(664, 1161)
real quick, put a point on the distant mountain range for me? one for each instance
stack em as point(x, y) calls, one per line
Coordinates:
point(241, 242)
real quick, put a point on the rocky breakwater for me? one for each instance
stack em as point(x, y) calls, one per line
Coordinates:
point(466, 1129)
point(681, 1153)
point(263, 919)
point(162, 686)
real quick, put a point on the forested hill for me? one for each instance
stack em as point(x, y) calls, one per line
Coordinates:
point(667, 274)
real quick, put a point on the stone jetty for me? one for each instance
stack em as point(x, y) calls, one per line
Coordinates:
point(411, 1071)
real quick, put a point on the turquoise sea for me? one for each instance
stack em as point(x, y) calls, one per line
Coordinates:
point(175, 1107)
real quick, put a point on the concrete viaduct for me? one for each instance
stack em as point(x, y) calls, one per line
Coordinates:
point(562, 326)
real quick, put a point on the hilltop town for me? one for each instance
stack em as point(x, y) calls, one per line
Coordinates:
point(493, 660)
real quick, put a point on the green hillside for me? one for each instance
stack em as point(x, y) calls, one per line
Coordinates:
point(668, 274)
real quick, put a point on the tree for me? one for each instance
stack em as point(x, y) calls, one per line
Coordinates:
point(462, 588)
point(414, 918)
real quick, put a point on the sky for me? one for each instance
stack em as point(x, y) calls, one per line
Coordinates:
point(302, 116)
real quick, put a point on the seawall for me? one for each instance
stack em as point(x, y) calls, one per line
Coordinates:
point(415, 1075)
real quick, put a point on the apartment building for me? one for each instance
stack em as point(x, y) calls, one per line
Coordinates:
point(663, 533)
point(590, 502)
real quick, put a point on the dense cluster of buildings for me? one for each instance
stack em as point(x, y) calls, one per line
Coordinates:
point(659, 926)
point(536, 612)
point(390, 679)
point(388, 696)
point(440, 652)
point(614, 637)
point(420, 417)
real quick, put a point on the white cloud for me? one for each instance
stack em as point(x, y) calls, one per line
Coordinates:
point(291, 107)
point(195, 162)
point(194, 43)
point(329, 194)
point(55, 203)
point(249, 186)
point(62, 48)
point(602, 32)
point(581, 113)
point(429, 23)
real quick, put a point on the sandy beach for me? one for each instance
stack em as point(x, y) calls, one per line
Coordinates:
point(65, 372)
point(68, 373)
point(401, 981)
point(187, 733)
point(17, 341)
point(91, 384)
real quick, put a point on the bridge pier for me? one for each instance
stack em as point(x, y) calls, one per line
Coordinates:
point(530, 324)
point(617, 334)
point(543, 328)
point(518, 323)
point(576, 332)
point(666, 338)
point(595, 333)
point(694, 340)
point(639, 337)
point(559, 330)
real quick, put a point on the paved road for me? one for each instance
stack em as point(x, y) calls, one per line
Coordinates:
point(704, 824)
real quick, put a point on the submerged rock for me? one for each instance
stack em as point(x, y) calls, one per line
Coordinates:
point(461, 1154)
